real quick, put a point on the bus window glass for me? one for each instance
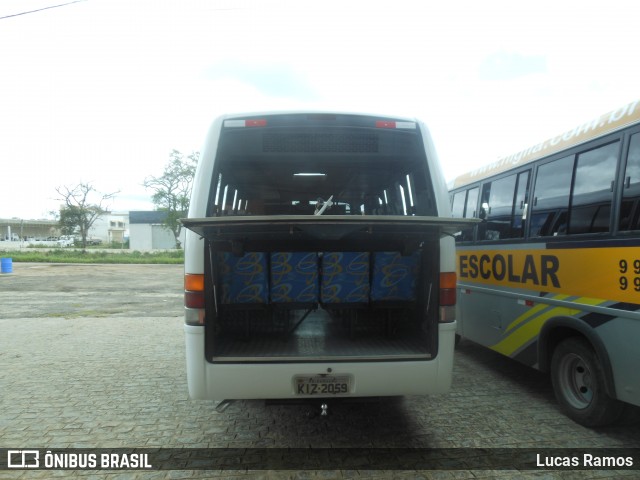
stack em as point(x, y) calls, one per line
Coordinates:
point(472, 202)
point(551, 198)
point(462, 199)
point(593, 190)
point(457, 209)
point(521, 206)
point(289, 172)
point(630, 208)
point(466, 235)
point(497, 201)
point(410, 193)
point(224, 199)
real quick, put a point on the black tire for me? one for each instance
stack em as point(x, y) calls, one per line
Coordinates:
point(579, 384)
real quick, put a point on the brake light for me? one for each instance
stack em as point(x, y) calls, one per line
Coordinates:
point(194, 290)
point(260, 122)
point(385, 124)
point(447, 289)
point(395, 124)
point(194, 299)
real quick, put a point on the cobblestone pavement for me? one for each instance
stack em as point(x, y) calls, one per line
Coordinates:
point(93, 357)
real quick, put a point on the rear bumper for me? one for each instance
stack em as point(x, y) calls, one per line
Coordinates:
point(275, 380)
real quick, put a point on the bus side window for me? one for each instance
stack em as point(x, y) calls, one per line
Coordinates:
point(223, 204)
point(521, 205)
point(464, 206)
point(424, 201)
point(551, 198)
point(373, 205)
point(593, 190)
point(497, 202)
point(630, 207)
point(457, 206)
point(214, 208)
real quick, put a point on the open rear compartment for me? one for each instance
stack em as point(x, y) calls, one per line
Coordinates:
point(270, 306)
point(317, 288)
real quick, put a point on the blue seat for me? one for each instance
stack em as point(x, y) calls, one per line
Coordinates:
point(394, 277)
point(243, 280)
point(345, 278)
point(294, 278)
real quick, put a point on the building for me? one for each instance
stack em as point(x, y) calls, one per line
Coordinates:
point(147, 231)
point(110, 228)
point(143, 229)
point(16, 229)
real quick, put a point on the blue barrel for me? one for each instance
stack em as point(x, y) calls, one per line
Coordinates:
point(6, 265)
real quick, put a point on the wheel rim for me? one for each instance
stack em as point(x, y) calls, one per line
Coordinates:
point(576, 381)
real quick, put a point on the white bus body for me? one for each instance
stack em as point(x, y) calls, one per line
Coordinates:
point(290, 296)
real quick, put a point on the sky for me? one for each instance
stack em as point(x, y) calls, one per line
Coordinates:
point(102, 91)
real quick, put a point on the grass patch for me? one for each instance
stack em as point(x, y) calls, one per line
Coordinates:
point(78, 256)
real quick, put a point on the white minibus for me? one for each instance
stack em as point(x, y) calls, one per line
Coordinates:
point(319, 260)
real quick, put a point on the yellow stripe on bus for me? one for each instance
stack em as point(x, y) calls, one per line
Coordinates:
point(534, 310)
point(530, 330)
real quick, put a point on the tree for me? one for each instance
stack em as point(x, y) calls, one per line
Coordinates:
point(78, 213)
point(172, 190)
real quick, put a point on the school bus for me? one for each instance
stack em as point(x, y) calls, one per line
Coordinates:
point(551, 275)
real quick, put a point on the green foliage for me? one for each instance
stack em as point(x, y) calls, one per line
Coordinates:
point(117, 245)
point(77, 256)
point(69, 219)
point(172, 190)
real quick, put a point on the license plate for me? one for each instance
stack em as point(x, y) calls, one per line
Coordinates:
point(322, 385)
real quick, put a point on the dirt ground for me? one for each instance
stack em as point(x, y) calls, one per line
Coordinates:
point(36, 290)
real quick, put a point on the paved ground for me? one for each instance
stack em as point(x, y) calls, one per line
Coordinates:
point(93, 357)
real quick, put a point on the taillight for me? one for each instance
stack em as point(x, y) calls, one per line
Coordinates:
point(194, 290)
point(395, 124)
point(447, 289)
point(194, 299)
point(258, 122)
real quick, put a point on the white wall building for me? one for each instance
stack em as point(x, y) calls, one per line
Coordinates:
point(111, 227)
point(148, 233)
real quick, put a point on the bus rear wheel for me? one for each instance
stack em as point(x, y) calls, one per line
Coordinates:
point(578, 382)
